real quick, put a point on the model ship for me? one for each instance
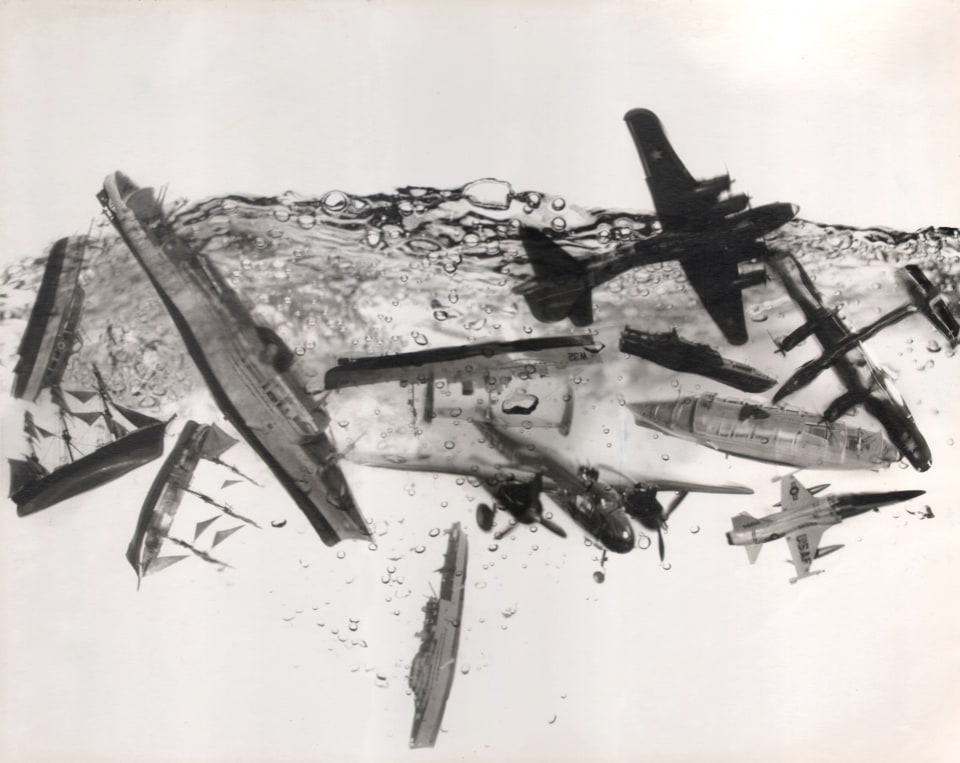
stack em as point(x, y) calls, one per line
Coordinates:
point(51, 331)
point(171, 485)
point(248, 368)
point(34, 486)
point(768, 433)
point(434, 666)
point(670, 350)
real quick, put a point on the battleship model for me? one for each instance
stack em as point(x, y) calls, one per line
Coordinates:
point(34, 486)
point(51, 330)
point(767, 433)
point(434, 666)
point(249, 369)
point(672, 351)
point(172, 483)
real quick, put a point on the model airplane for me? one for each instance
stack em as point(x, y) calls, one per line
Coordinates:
point(710, 236)
point(768, 433)
point(598, 503)
point(804, 519)
point(492, 364)
point(866, 383)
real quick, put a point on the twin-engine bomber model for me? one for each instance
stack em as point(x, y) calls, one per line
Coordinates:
point(247, 366)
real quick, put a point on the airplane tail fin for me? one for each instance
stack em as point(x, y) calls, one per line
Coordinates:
point(557, 289)
point(740, 521)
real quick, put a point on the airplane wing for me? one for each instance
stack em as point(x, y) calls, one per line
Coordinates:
point(671, 184)
point(803, 546)
point(720, 297)
point(487, 474)
point(464, 364)
point(793, 495)
point(617, 479)
point(581, 312)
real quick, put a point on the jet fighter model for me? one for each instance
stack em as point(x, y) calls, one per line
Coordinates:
point(866, 383)
point(804, 519)
point(598, 505)
point(768, 433)
point(710, 236)
point(672, 351)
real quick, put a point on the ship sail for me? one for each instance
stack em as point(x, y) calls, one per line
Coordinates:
point(171, 485)
point(35, 487)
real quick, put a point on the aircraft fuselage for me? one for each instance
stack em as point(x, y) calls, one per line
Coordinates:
point(865, 381)
point(822, 512)
point(725, 239)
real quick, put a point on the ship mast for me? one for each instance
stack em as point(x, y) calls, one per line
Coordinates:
point(112, 425)
point(62, 412)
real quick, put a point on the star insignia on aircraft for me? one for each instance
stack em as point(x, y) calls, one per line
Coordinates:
point(656, 154)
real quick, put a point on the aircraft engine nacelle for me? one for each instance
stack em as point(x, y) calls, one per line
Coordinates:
point(843, 404)
point(751, 278)
point(713, 187)
point(730, 206)
point(642, 504)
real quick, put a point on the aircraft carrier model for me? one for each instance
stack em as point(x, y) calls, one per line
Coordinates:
point(434, 666)
point(247, 366)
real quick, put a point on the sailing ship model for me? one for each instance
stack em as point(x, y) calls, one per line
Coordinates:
point(169, 488)
point(50, 338)
point(34, 486)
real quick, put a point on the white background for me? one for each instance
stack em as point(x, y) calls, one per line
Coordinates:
point(847, 109)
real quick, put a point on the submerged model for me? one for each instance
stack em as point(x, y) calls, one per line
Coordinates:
point(247, 366)
point(51, 331)
point(710, 236)
point(804, 519)
point(595, 501)
point(172, 483)
point(34, 486)
point(867, 384)
point(767, 433)
point(672, 351)
point(467, 364)
point(435, 664)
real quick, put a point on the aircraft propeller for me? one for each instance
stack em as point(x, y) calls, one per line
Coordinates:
point(522, 502)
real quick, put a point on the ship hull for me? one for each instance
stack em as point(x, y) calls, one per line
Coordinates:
point(245, 366)
point(50, 333)
point(93, 470)
point(166, 492)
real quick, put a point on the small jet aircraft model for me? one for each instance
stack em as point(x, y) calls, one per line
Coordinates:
point(866, 383)
point(708, 235)
point(598, 505)
point(804, 519)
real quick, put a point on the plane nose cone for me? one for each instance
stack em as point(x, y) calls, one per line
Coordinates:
point(652, 415)
point(618, 534)
point(794, 210)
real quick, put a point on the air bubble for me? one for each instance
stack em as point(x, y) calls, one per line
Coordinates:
point(419, 549)
point(449, 444)
point(643, 541)
point(335, 201)
point(558, 224)
point(434, 532)
point(558, 204)
point(695, 529)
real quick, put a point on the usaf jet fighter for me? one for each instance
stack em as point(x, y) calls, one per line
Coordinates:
point(866, 382)
point(710, 236)
point(803, 520)
point(600, 506)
